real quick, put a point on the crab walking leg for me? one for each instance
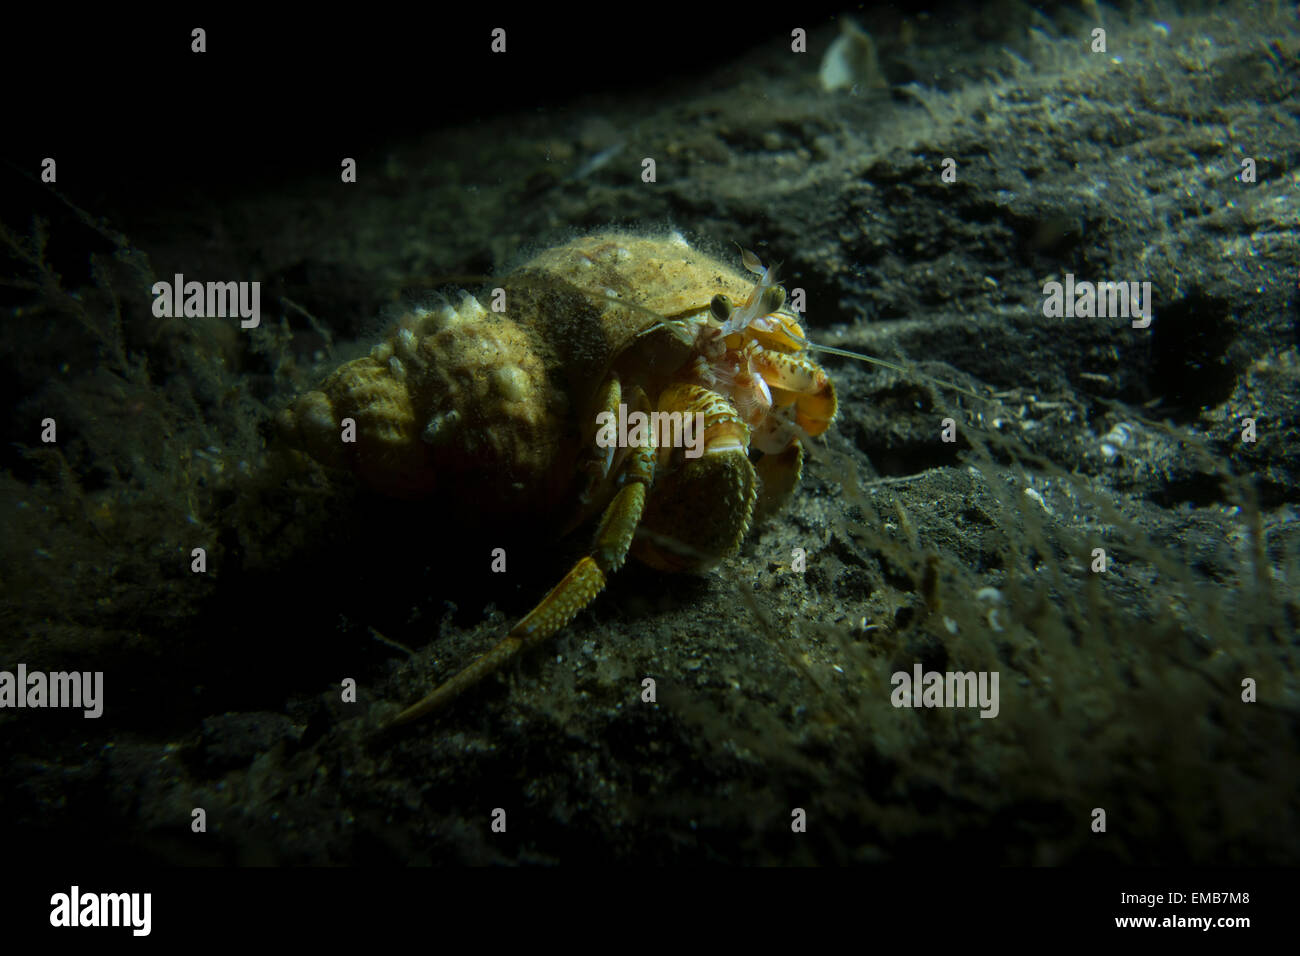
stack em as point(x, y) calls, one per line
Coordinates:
point(599, 461)
point(578, 589)
point(702, 505)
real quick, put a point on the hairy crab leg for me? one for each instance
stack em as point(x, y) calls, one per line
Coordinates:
point(578, 588)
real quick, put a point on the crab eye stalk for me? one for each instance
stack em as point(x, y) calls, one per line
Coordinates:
point(773, 299)
point(721, 307)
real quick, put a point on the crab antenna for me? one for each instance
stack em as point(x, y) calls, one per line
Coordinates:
point(845, 353)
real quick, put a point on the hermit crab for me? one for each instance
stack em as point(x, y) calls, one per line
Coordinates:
point(509, 402)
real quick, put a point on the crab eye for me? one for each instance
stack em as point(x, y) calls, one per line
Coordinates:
point(720, 307)
point(773, 299)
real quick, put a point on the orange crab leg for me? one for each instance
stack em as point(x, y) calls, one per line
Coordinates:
point(578, 588)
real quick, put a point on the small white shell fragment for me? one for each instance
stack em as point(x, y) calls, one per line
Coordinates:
point(1031, 493)
point(1121, 434)
point(850, 62)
